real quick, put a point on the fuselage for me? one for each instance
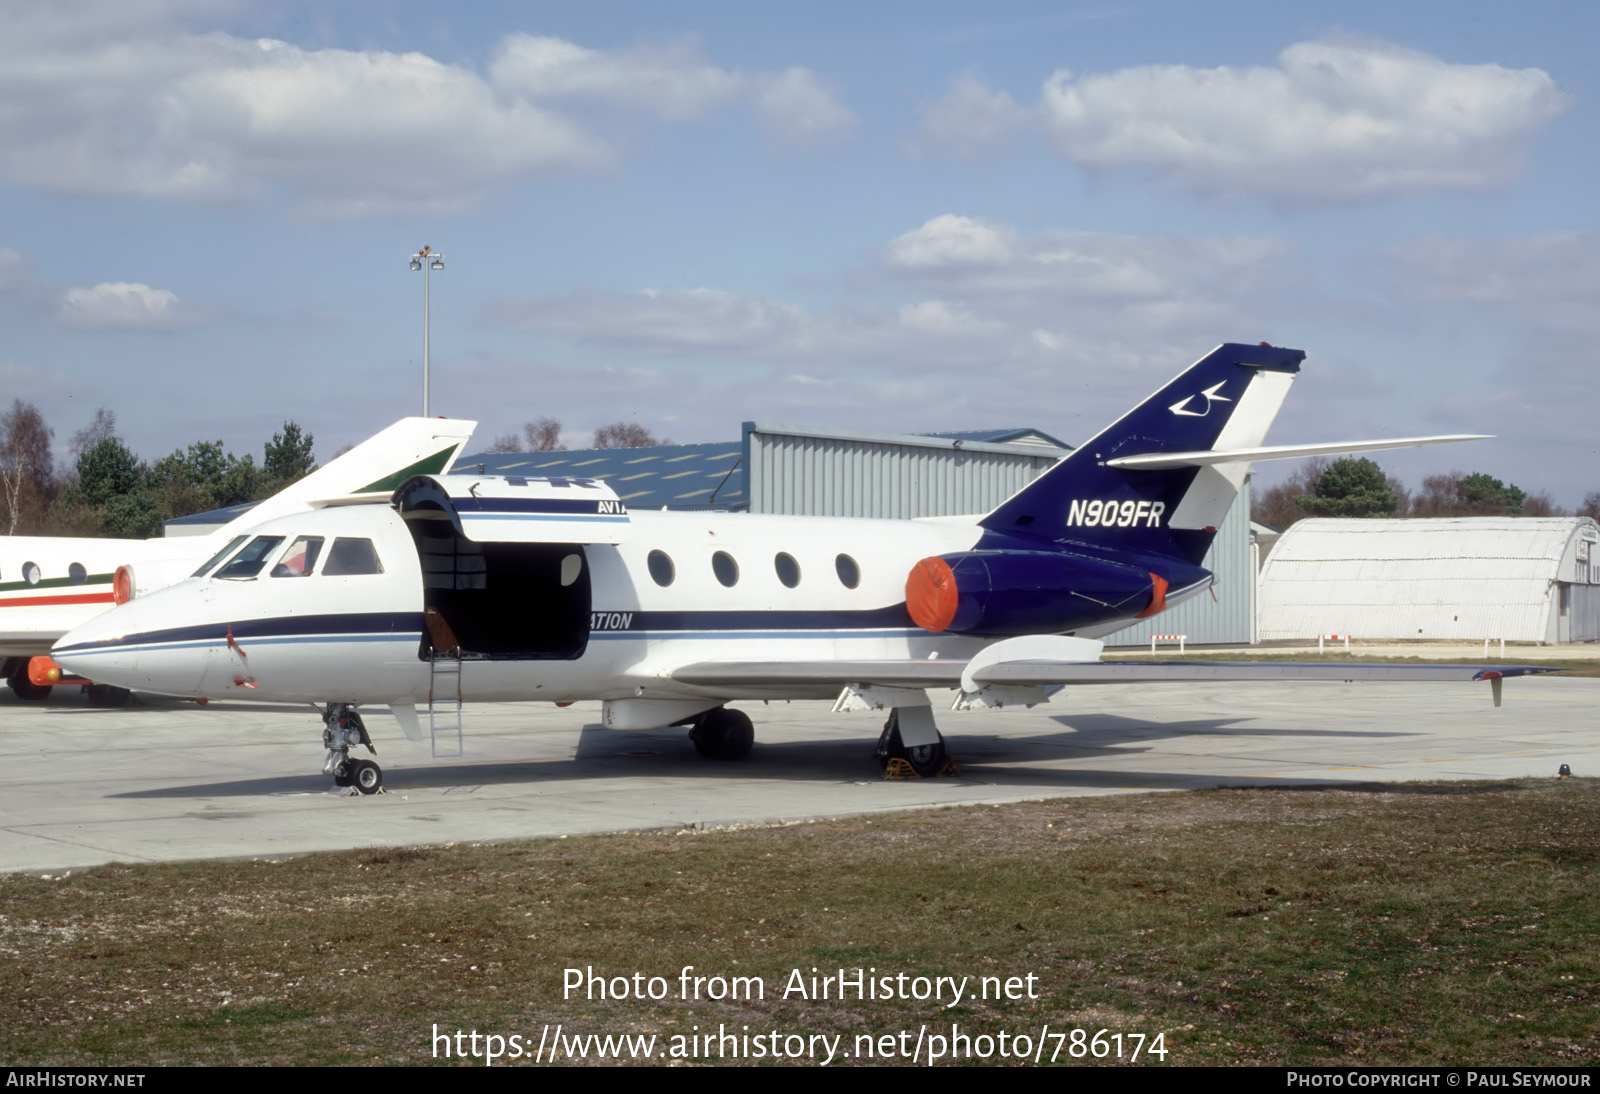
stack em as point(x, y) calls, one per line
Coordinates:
point(604, 621)
point(51, 584)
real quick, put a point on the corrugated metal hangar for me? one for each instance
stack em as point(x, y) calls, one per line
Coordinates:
point(1523, 579)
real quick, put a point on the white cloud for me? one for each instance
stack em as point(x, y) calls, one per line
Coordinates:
point(962, 294)
point(670, 81)
point(667, 319)
point(977, 259)
point(1335, 120)
point(951, 240)
point(797, 108)
point(967, 120)
point(123, 305)
point(156, 111)
point(1548, 281)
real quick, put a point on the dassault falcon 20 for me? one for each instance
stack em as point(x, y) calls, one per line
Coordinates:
point(484, 588)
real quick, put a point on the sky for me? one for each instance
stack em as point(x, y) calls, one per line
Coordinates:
point(892, 216)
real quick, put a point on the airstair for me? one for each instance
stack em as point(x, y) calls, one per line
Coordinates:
point(444, 704)
point(444, 688)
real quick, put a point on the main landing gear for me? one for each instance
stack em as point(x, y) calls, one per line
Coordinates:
point(26, 689)
point(342, 729)
point(925, 760)
point(723, 734)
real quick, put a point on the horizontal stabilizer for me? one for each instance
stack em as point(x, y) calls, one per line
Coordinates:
point(1161, 461)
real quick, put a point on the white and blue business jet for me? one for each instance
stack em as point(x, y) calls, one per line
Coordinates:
point(488, 589)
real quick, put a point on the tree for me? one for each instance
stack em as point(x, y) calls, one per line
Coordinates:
point(1350, 487)
point(1591, 505)
point(1481, 493)
point(203, 477)
point(540, 435)
point(1275, 506)
point(104, 425)
point(626, 435)
point(107, 470)
point(27, 468)
point(543, 435)
point(287, 458)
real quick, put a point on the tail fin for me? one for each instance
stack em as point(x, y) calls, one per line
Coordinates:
point(374, 468)
point(1222, 403)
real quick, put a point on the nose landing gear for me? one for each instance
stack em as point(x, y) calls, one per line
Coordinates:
point(342, 729)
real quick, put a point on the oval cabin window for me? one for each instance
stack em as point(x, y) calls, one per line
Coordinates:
point(661, 569)
point(725, 568)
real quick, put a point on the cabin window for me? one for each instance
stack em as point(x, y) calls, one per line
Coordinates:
point(219, 556)
point(725, 568)
point(849, 572)
point(349, 557)
point(661, 569)
point(248, 562)
point(788, 569)
point(301, 559)
point(30, 573)
point(77, 574)
point(571, 568)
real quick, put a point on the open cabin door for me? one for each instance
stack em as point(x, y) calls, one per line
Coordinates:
point(504, 573)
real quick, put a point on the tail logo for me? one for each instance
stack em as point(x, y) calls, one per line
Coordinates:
point(1209, 394)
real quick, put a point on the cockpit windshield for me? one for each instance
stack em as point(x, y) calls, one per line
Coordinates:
point(219, 556)
point(248, 562)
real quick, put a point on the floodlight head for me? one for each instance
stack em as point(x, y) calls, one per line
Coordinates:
point(415, 264)
point(438, 263)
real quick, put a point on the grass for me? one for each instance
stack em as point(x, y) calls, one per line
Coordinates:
point(1410, 924)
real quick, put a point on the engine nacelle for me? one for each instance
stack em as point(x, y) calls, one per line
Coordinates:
point(1012, 592)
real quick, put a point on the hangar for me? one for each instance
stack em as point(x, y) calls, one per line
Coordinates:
point(1522, 579)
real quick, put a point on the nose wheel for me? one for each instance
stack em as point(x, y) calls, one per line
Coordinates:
point(342, 729)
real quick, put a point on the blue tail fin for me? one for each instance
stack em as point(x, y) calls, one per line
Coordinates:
point(1224, 401)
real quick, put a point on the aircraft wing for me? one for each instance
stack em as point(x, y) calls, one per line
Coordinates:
point(990, 680)
point(948, 674)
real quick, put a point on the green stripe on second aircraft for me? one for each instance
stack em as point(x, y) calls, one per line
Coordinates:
point(428, 465)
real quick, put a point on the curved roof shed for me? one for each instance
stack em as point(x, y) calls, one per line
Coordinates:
point(1524, 579)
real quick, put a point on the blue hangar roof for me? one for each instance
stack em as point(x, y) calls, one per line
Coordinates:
point(680, 476)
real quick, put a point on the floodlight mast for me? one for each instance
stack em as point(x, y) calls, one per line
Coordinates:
point(427, 260)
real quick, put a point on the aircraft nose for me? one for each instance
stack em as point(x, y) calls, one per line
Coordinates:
point(127, 647)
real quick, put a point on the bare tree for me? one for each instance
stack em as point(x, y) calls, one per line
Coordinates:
point(1276, 506)
point(1591, 505)
point(27, 479)
point(544, 435)
point(540, 435)
point(103, 426)
point(1542, 505)
point(626, 435)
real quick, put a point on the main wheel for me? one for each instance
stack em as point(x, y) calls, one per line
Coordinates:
point(107, 695)
point(341, 774)
point(925, 760)
point(27, 690)
point(723, 734)
point(366, 776)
